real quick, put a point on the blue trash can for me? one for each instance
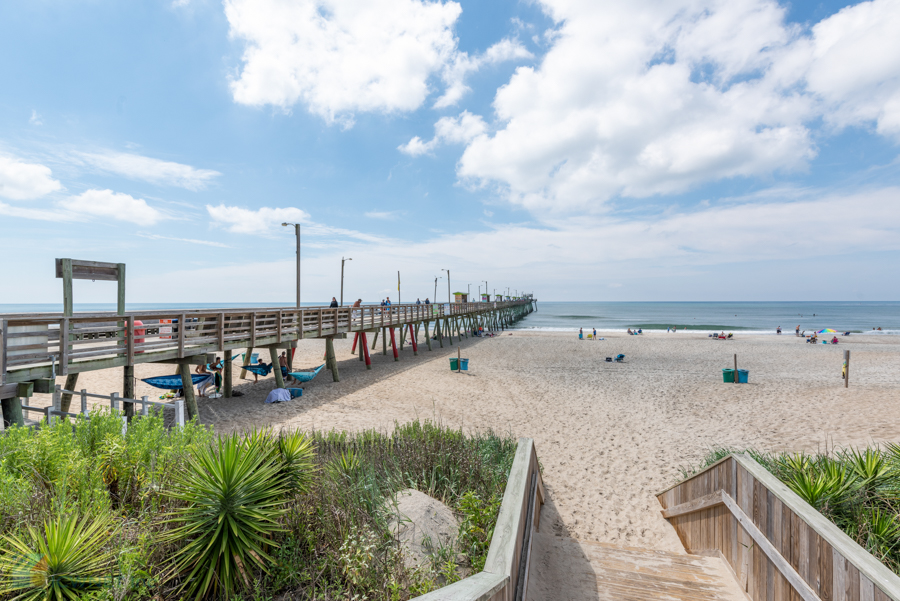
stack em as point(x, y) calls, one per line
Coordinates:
point(728, 376)
point(464, 364)
point(743, 376)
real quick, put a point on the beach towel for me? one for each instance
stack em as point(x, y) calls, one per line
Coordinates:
point(279, 395)
point(306, 376)
point(173, 382)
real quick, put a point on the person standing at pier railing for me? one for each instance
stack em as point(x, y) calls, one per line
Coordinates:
point(334, 303)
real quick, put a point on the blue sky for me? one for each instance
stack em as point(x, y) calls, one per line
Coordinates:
point(582, 150)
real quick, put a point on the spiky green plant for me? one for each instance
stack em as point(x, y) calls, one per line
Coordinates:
point(234, 499)
point(870, 465)
point(64, 560)
point(297, 461)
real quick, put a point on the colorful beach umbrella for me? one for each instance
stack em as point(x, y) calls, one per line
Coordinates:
point(827, 331)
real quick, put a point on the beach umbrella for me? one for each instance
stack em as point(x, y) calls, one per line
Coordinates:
point(827, 331)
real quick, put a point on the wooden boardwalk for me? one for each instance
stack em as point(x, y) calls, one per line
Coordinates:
point(567, 568)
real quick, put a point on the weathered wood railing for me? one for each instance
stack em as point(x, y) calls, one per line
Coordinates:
point(505, 575)
point(778, 546)
point(35, 345)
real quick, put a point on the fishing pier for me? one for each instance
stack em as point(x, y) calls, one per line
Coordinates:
point(37, 347)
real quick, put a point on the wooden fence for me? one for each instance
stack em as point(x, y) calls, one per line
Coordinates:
point(39, 345)
point(779, 547)
point(505, 575)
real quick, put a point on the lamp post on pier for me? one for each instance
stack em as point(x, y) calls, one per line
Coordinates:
point(486, 288)
point(297, 231)
point(449, 300)
point(436, 278)
point(342, 278)
point(469, 294)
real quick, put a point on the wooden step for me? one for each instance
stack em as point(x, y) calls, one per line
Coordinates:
point(577, 570)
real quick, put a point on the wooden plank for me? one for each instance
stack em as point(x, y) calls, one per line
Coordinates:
point(775, 516)
point(220, 330)
point(866, 589)
point(182, 334)
point(771, 554)
point(278, 331)
point(839, 575)
point(502, 551)
point(698, 504)
point(868, 565)
point(4, 327)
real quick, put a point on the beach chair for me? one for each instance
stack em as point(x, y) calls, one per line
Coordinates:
point(620, 358)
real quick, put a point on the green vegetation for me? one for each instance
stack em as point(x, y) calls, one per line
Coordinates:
point(857, 489)
point(87, 513)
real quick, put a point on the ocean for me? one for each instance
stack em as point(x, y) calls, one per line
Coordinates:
point(749, 317)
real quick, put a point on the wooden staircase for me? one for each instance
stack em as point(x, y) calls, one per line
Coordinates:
point(575, 570)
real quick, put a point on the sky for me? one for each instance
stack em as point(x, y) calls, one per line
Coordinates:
point(573, 149)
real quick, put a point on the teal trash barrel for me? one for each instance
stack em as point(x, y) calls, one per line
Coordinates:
point(728, 375)
point(453, 365)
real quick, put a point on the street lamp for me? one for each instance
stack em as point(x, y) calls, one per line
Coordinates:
point(342, 279)
point(297, 230)
point(486, 288)
point(436, 278)
point(469, 295)
point(449, 300)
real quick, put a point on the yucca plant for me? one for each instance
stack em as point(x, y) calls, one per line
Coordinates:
point(870, 465)
point(64, 560)
point(234, 499)
point(297, 460)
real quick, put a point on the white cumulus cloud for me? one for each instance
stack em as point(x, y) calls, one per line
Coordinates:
point(455, 72)
point(23, 181)
point(454, 130)
point(264, 220)
point(139, 167)
point(341, 56)
point(106, 203)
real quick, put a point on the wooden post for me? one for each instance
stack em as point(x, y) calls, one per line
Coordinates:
point(276, 367)
point(247, 357)
point(402, 334)
point(393, 345)
point(353, 348)
point(228, 373)
point(67, 286)
point(383, 341)
point(412, 337)
point(428, 335)
point(458, 360)
point(440, 333)
point(361, 337)
point(736, 378)
point(330, 359)
point(127, 388)
point(374, 340)
point(66, 399)
point(847, 369)
point(190, 401)
point(364, 348)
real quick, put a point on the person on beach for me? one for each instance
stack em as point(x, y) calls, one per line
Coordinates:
point(580, 334)
point(202, 385)
point(778, 331)
point(282, 362)
point(595, 333)
point(334, 302)
point(630, 332)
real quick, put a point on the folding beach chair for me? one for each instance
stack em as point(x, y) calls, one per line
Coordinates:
point(620, 358)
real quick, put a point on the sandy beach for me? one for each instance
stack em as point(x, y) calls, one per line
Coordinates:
point(609, 435)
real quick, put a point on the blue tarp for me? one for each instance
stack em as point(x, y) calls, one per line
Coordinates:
point(173, 382)
point(261, 369)
point(306, 376)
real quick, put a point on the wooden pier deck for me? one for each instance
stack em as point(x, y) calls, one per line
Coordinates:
point(35, 347)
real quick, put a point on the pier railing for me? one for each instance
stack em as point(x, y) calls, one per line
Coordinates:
point(778, 546)
point(37, 345)
point(505, 574)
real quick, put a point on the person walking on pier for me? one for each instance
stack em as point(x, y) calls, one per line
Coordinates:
point(427, 302)
point(418, 302)
point(334, 303)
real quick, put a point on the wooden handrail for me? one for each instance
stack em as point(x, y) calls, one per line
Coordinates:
point(505, 574)
point(815, 558)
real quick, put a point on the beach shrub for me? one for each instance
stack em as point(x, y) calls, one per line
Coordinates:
point(317, 505)
point(63, 560)
point(233, 502)
point(857, 489)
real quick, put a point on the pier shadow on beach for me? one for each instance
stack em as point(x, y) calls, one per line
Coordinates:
point(322, 390)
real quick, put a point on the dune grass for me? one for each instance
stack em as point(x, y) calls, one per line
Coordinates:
point(257, 516)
